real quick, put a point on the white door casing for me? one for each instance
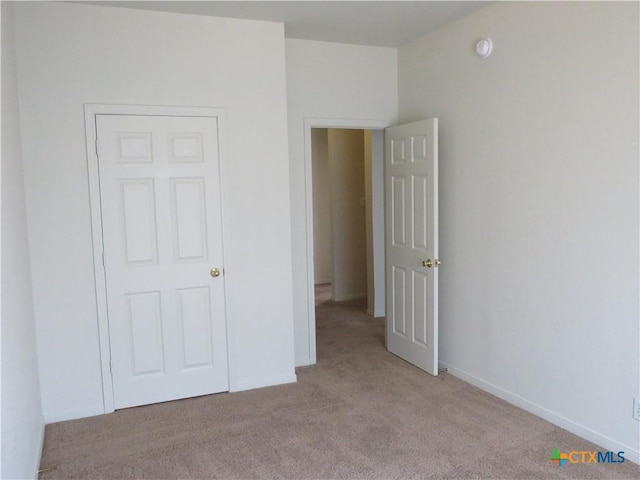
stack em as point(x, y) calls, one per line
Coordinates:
point(159, 180)
point(411, 213)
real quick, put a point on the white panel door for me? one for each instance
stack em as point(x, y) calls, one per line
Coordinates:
point(162, 236)
point(411, 212)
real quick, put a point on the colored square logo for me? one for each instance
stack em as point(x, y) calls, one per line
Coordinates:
point(559, 458)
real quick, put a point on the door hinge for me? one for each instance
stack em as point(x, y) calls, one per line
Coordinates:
point(110, 368)
point(103, 263)
point(97, 148)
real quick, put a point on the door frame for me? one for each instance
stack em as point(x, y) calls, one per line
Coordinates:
point(90, 112)
point(309, 123)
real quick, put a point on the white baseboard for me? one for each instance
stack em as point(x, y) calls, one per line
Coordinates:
point(630, 453)
point(73, 414)
point(38, 453)
point(351, 296)
point(304, 363)
point(261, 382)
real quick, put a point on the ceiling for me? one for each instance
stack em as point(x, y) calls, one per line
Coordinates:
point(376, 23)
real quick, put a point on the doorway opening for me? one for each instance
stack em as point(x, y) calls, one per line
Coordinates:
point(376, 128)
point(341, 240)
point(348, 219)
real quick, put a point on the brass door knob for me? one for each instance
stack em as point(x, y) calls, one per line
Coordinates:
point(215, 272)
point(427, 263)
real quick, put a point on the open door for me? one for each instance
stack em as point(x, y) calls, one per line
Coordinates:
point(411, 238)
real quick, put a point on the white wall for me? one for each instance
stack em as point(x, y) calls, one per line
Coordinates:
point(368, 211)
point(70, 54)
point(374, 206)
point(348, 220)
point(377, 297)
point(328, 80)
point(322, 238)
point(539, 206)
point(22, 422)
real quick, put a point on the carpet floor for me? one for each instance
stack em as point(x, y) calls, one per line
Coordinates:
point(360, 412)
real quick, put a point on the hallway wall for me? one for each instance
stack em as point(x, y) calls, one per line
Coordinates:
point(348, 219)
point(322, 236)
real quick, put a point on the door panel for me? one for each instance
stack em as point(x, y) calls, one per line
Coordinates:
point(411, 186)
point(189, 222)
point(194, 326)
point(145, 331)
point(162, 234)
point(138, 220)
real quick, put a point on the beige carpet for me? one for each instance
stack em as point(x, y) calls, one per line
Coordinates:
point(359, 413)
